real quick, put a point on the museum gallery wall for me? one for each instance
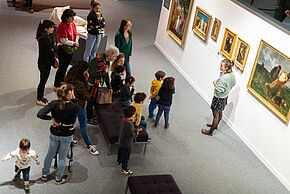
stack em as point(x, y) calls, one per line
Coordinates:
point(258, 113)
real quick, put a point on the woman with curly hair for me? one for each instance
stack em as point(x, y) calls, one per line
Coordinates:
point(78, 76)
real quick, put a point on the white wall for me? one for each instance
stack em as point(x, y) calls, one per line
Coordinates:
point(263, 132)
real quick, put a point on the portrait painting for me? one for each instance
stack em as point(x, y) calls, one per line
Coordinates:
point(215, 29)
point(241, 54)
point(228, 44)
point(269, 80)
point(178, 19)
point(201, 23)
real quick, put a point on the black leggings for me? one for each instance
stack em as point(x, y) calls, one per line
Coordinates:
point(217, 117)
point(64, 61)
point(44, 74)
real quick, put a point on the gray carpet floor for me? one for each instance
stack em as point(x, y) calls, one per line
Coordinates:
point(200, 164)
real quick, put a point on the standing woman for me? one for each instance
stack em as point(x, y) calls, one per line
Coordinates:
point(47, 48)
point(123, 41)
point(222, 89)
point(67, 38)
point(63, 115)
point(78, 76)
point(96, 29)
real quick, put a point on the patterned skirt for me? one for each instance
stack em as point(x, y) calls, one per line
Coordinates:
point(218, 104)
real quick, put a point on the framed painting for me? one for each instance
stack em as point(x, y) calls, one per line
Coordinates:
point(178, 19)
point(241, 54)
point(201, 23)
point(269, 80)
point(228, 44)
point(215, 29)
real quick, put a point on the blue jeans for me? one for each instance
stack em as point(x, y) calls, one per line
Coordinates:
point(161, 109)
point(63, 144)
point(82, 117)
point(126, 103)
point(25, 172)
point(128, 68)
point(152, 107)
point(92, 45)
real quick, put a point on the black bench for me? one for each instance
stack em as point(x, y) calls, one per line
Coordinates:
point(110, 117)
point(164, 183)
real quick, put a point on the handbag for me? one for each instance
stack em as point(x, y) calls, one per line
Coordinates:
point(105, 97)
point(55, 65)
point(68, 49)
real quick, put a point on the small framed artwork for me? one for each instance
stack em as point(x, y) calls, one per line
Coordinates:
point(201, 23)
point(166, 4)
point(241, 54)
point(228, 44)
point(269, 80)
point(215, 29)
point(178, 19)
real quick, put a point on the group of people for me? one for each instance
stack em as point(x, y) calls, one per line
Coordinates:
point(77, 92)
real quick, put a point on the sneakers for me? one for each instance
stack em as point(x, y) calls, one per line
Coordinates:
point(42, 102)
point(93, 150)
point(16, 177)
point(118, 164)
point(64, 179)
point(44, 178)
point(92, 122)
point(26, 187)
point(127, 172)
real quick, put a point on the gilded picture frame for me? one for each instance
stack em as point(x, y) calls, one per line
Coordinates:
point(215, 29)
point(241, 54)
point(228, 43)
point(201, 23)
point(178, 19)
point(269, 80)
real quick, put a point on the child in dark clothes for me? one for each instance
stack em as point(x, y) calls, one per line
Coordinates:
point(127, 134)
point(117, 81)
point(165, 100)
point(125, 92)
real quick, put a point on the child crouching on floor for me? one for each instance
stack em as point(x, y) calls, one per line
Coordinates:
point(23, 156)
point(127, 134)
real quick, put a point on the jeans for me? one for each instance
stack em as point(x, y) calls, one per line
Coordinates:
point(92, 45)
point(152, 107)
point(63, 143)
point(126, 103)
point(82, 117)
point(44, 74)
point(128, 68)
point(143, 122)
point(25, 172)
point(123, 157)
point(161, 109)
point(64, 61)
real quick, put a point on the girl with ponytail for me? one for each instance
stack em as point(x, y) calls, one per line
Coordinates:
point(63, 111)
point(223, 86)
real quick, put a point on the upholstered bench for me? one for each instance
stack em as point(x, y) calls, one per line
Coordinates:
point(152, 184)
point(110, 117)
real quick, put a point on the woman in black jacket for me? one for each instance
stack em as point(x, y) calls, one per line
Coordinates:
point(63, 115)
point(47, 47)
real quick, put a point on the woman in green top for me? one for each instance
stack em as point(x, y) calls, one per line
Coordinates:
point(123, 41)
point(222, 89)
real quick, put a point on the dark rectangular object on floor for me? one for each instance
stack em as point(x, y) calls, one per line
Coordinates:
point(164, 183)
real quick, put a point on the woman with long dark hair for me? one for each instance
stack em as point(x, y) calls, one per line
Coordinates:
point(47, 48)
point(96, 29)
point(63, 111)
point(123, 41)
point(67, 38)
point(78, 76)
point(223, 86)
